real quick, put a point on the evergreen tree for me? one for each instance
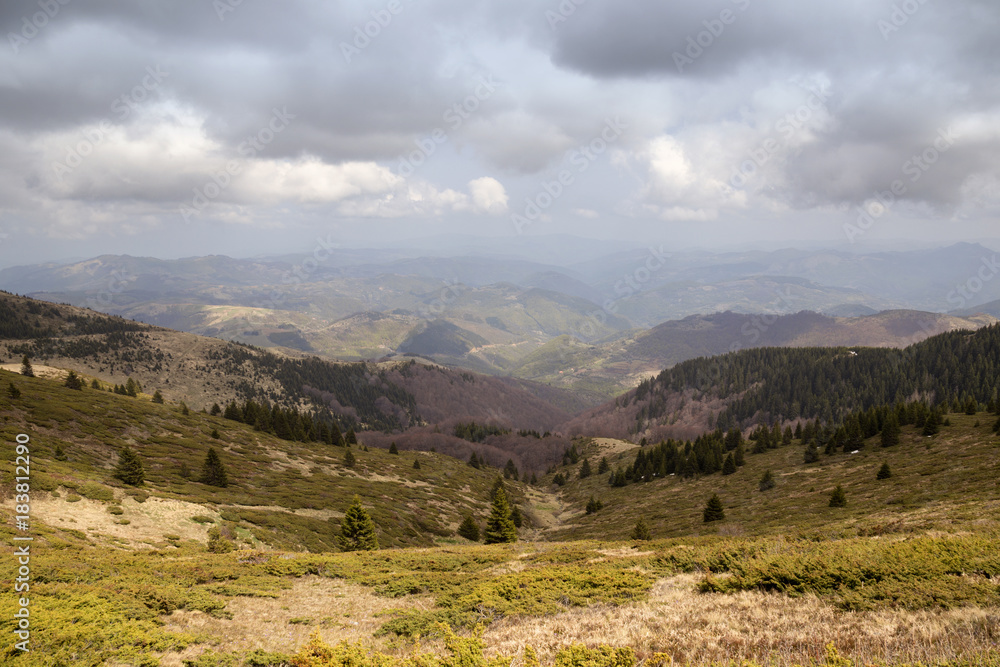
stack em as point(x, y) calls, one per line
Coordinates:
point(739, 455)
point(585, 469)
point(604, 466)
point(766, 481)
point(729, 466)
point(932, 424)
point(500, 528)
point(351, 438)
point(13, 391)
point(838, 498)
point(510, 470)
point(132, 388)
point(393, 449)
point(713, 509)
point(94, 384)
point(416, 464)
point(357, 532)
point(641, 531)
point(26, 369)
point(884, 472)
point(349, 459)
point(593, 505)
point(474, 461)
point(213, 472)
point(971, 406)
point(811, 454)
point(890, 431)
point(215, 434)
point(216, 410)
point(534, 479)
point(60, 455)
point(129, 469)
point(516, 516)
point(469, 529)
point(73, 381)
point(157, 397)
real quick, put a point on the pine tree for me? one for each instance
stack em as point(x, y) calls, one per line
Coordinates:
point(129, 469)
point(838, 498)
point(890, 431)
point(739, 457)
point(132, 388)
point(215, 434)
point(516, 516)
point(510, 470)
point(216, 410)
point(500, 528)
point(474, 461)
point(157, 397)
point(585, 469)
point(13, 391)
point(393, 449)
point(714, 510)
point(26, 369)
point(213, 472)
point(811, 454)
point(357, 532)
point(94, 384)
point(416, 464)
point(59, 454)
point(766, 481)
point(73, 381)
point(593, 505)
point(604, 466)
point(932, 424)
point(641, 531)
point(351, 438)
point(469, 529)
point(349, 459)
point(884, 472)
point(729, 465)
point(217, 544)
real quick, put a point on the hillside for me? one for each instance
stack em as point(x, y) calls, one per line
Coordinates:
point(765, 385)
point(201, 371)
point(617, 365)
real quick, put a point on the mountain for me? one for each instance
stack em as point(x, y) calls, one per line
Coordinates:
point(201, 371)
point(768, 385)
point(619, 364)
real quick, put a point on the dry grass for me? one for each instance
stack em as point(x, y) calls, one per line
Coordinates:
point(338, 610)
point(697, 628)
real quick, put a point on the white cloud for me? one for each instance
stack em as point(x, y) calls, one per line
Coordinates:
point(488, 196)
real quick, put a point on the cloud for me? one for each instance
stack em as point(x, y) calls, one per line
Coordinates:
point(488, 196)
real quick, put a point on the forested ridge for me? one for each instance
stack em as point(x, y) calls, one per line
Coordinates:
point(767, 385)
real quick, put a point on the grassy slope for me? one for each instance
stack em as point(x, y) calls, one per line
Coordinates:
point(270, 478)
point(942, 481)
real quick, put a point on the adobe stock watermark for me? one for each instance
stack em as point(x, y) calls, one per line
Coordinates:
point(780, 139)
point(581, 158)
point(33, 25)
point(563, 11)
point(223, 7)
point(882, 200)
point(454, 116)
point(117, 282)
point(630, 284)
point(714, 28)
point(898, 17)
point(965, 292)
point(122, 106)
point(365, 33)
point(448, 295)
point(301, 271)
point(248, 149)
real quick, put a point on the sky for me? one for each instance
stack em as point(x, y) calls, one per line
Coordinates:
point(191, 127)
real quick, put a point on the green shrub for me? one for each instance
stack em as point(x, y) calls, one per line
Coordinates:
point(96, 491)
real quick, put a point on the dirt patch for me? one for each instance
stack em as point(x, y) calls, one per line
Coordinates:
point(336, 609)
point(47, 372)
point(148, 521)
